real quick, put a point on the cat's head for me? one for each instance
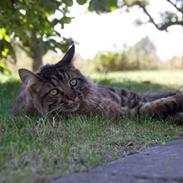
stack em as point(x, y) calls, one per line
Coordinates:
point(57, 88)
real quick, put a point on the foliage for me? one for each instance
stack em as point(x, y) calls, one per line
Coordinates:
point(173, 63)
point(31, 26)
point(3, 68)
point(110, 61)
point(103, 5)
point(168, 18)
point(143, 55)
point(140, 56)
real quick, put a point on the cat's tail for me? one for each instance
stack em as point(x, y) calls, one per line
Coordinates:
point(162, 107)
point(151, 96)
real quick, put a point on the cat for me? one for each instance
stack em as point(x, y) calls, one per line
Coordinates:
point(61, 89)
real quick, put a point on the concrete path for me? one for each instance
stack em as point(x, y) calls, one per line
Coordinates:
point(160, 164)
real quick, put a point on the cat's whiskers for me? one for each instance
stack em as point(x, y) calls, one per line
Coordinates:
point(46, 116)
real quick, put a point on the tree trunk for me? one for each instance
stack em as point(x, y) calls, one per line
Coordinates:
point(37, 58)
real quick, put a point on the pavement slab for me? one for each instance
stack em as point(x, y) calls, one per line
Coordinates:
point(159, 164)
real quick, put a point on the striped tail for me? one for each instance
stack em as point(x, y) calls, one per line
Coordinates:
point(161, 107)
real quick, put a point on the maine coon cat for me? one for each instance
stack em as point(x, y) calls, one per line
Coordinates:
point(61, 89)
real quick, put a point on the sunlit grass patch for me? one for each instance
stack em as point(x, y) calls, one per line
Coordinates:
point(143, 80)
point(31, 151)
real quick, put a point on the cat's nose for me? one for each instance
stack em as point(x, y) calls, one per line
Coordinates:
point(76, 99)
point(71, 97)
point(70, 101)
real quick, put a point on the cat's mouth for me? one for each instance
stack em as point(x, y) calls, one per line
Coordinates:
point(71, 107)
point(65, 108)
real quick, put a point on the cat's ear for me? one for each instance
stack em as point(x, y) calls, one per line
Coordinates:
point(68, 57)
point(31, 80)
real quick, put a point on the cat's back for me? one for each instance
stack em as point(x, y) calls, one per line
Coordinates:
point(112, 93)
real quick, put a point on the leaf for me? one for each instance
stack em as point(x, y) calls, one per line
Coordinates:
point(138, 22)
point(32, 22)
point(103, 5)
point(4, 35)
point(3, 68)
point(81, 2)
point(68, 2)
point(66, 20)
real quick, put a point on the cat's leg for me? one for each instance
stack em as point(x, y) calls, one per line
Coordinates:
point(177, 117)
point(110, 109)
point(161, 107)
point(23, 103)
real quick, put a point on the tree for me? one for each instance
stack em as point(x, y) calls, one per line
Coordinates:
point(143, 55)
point(168, 18)
point(30, 24)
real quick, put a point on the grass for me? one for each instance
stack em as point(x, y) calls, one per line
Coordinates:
point(32, 152)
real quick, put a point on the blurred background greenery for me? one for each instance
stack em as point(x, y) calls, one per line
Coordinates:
point(31, 33)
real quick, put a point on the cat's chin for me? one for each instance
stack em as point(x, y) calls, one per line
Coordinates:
point(71, 108)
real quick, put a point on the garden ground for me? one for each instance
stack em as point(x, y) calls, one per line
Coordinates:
point(30, 149)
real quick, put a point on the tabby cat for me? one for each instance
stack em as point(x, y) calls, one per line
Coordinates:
point(61, 89)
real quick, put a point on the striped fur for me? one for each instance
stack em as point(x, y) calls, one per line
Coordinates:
point(62, 89)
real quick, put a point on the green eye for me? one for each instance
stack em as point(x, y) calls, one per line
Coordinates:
point(73, 82)
point(54, 92)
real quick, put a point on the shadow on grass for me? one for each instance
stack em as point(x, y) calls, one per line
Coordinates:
point(9, 89)
point(135, 86)
point(8, 92)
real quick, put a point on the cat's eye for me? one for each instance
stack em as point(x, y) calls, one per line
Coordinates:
point(73, 82)
point(54, 92)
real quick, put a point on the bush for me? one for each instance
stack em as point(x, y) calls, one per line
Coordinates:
point(140, 56)
point(110, 61)
point(3, 68)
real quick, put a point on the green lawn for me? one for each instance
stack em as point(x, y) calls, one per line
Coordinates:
point(31, 151)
